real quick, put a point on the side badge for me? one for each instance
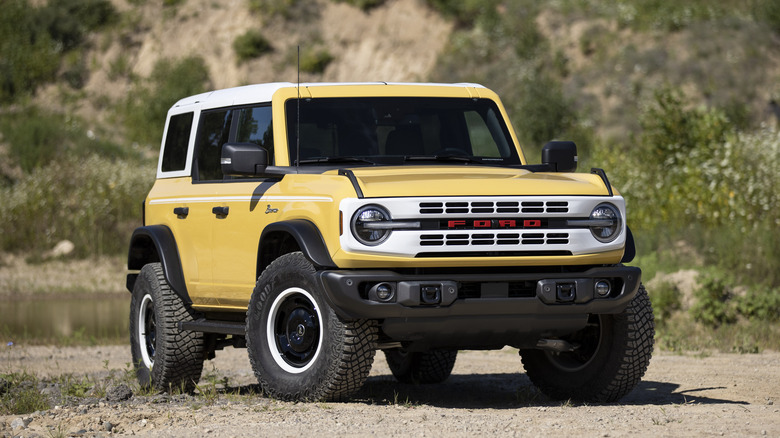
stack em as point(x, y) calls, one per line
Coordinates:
point(271, 210)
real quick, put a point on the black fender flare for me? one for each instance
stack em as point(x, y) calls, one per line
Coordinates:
point(306, 235)
point(155, 243)
point(630, 251)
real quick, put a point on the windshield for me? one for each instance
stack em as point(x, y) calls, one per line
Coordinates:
point(397, 130)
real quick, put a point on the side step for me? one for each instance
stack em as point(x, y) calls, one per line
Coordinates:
point(211, 326)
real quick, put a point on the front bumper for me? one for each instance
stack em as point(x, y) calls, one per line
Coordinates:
point(348, 292)
point(479, 310)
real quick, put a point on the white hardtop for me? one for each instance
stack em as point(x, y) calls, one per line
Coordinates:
point(259, 93)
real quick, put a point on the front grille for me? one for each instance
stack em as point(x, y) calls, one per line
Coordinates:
point(489, 207)
point(484, 239)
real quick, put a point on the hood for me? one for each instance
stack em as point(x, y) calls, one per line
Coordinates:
point(388, 181)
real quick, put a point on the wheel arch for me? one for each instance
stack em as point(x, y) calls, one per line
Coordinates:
point(630, 251)
point(155, 243)
point(280, 238)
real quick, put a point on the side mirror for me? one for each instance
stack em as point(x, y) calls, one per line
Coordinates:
point(243, 159)
point(561, 156)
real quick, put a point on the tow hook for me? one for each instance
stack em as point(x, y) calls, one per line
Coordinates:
point(557, 345)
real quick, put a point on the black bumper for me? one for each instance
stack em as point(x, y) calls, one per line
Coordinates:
point(480, 310)
point(488, 294)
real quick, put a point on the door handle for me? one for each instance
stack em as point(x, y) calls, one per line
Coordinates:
point(181, 212)
point(220, 211)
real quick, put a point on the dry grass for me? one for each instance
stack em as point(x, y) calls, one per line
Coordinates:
point(60, 277)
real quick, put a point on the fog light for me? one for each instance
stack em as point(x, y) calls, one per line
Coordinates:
point(384, 291)
point(603, 288)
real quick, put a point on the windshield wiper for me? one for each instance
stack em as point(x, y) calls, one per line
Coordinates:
point(460, 158)
point(335, 160)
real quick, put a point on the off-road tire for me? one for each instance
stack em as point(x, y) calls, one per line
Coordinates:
point(165, 358)
point(298, 347)
point(613, 356)
point(433, 366)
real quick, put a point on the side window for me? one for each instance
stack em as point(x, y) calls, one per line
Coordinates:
point(254, 126)
point(214, 131)
point(178, 137)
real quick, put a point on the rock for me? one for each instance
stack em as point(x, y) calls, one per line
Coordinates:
point(107, 426)
point(119, 393)
point(20, 423)
point(62, 248)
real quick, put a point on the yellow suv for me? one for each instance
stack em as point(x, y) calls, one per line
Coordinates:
point(314, 224)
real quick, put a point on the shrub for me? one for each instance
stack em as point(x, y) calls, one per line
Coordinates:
point(465, 12)
point(28, 56)
point(315, 60)
point(147, 107)
point(767, 11)
point(252, 44)
point(713, 306)
point(542, 112)
point(761, 303)
point(286, 9)
point(364, 5)
point(37, 136)
point(68, 21)
point(92, 201)
point(665, 298)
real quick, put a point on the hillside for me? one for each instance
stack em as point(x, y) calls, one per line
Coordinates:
point(398, 41)
point(677, 101)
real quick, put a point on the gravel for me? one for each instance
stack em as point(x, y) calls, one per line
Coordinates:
point(681, 395)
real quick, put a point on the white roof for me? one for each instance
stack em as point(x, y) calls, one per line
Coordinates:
point(263, 92)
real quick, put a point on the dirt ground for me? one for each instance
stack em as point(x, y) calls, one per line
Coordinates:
point(681, 395)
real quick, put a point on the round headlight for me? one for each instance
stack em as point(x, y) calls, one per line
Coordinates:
point(366, 225)
point(606, 222)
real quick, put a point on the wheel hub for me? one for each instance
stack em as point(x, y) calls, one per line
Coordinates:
point(296, 329)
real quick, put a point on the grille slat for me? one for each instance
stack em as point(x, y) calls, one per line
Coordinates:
point(487, 207)
point(500, 239)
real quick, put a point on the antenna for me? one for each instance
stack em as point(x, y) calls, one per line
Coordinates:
point(298, 116)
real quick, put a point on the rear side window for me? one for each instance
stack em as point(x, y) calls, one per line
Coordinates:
point(214, 132)
point(178, 137)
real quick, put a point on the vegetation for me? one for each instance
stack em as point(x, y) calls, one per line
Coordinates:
point(655, 92)
point(364, 5)
point(315, 60)
point(34, 39)
point(251, 44)
point(147, 107)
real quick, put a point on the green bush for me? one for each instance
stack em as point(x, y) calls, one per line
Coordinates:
point(37, 137)
point(28, 55)
point(92, 201)
point(714, 305)
point(251, 44)
point(665, 298)
point(33, 41)
point(767, 11)
point(147, 107)
point(364, 5)
point(761, 303)
point(286, 9)
point(315, 60)
point(465, 12)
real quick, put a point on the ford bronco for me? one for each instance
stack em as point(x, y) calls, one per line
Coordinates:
point(314, 224)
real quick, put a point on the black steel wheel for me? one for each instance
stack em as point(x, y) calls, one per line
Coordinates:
point(164, 357)
point(298, 347)
point(612, 355)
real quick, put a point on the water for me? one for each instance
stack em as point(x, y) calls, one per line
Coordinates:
point(74, 320)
